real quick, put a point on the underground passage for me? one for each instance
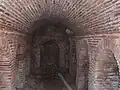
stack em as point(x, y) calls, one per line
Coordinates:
point(59, 44)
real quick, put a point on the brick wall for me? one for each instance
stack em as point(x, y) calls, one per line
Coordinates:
point(96, 44)
point(97, 17)
point(8, 62)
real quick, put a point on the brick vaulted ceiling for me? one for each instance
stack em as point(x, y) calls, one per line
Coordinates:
point(82, 16)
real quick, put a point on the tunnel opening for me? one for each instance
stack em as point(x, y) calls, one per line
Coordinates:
point(51, 54)
point(49, 64)
point(88, 26)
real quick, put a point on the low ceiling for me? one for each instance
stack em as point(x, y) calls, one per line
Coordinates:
point(81, 16)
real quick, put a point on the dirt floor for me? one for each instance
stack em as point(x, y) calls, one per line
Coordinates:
point(36, 84)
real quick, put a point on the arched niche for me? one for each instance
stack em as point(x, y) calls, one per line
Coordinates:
point(63, 50)
point(106, 71)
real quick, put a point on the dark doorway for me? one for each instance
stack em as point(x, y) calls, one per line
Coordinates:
point(49, 60)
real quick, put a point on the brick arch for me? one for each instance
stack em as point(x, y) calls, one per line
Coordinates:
point(8, 44)
point(106, 71)
point(116, 50)
point(79, 15)
point(111, 44)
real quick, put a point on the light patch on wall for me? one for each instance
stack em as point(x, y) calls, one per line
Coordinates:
point(119, 27)
point(69, 32)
